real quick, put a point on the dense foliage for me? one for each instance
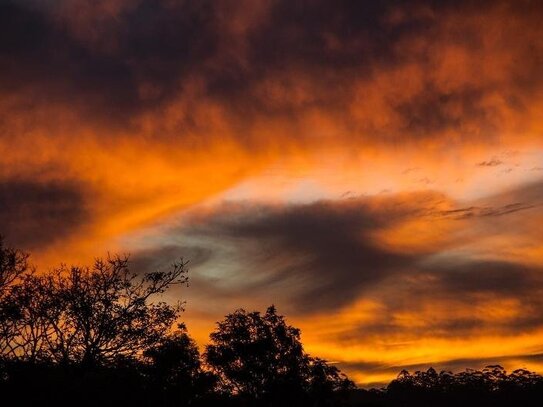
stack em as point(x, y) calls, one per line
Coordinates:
point(491, 386)
point(261, 358)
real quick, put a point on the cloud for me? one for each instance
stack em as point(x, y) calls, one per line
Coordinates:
point(475, 211)
point(324, 249)
point(126, 64)
point(33, 215)
point(109, 68)
point(490, 163)
point(157, 259)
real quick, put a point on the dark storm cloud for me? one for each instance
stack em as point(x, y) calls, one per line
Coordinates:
point(310, 257)
point(321, 38)
point(456, 298)
point(163, 257)
point(34, 215)
point(498, 277)
point(152, 44)
point(324, 248)
point(335, 45)
point(476, 282)
point(115, 65)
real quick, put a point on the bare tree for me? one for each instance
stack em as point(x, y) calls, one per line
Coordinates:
point(107, 312)
point(14, 267)
point(90, 316)
point(31, 319)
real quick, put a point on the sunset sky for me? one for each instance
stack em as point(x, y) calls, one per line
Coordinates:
point(373, 168)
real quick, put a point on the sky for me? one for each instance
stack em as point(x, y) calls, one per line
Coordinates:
point(372, 168)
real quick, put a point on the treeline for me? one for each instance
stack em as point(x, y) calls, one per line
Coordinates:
point(491, 386)
point(103, 336)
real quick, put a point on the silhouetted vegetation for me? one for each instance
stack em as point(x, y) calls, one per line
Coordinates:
point(491, 386)
point(174, 371)
point(260, 359)
point(103, 336)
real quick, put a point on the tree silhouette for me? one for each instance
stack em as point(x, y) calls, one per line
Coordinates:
point(261, 358)
point(489, 386)
point(14, 267)
point(326, 383)
point(175, 371)
point(88, 316)
point(13, 264)
point(36, 311)
point(107, 312)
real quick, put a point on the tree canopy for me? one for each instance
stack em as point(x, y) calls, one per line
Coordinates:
point(260, 357)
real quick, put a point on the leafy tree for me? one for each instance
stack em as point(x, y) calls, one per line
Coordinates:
point(326, 384)
point(261, 358)
point(489, 386)
point(101, 335)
